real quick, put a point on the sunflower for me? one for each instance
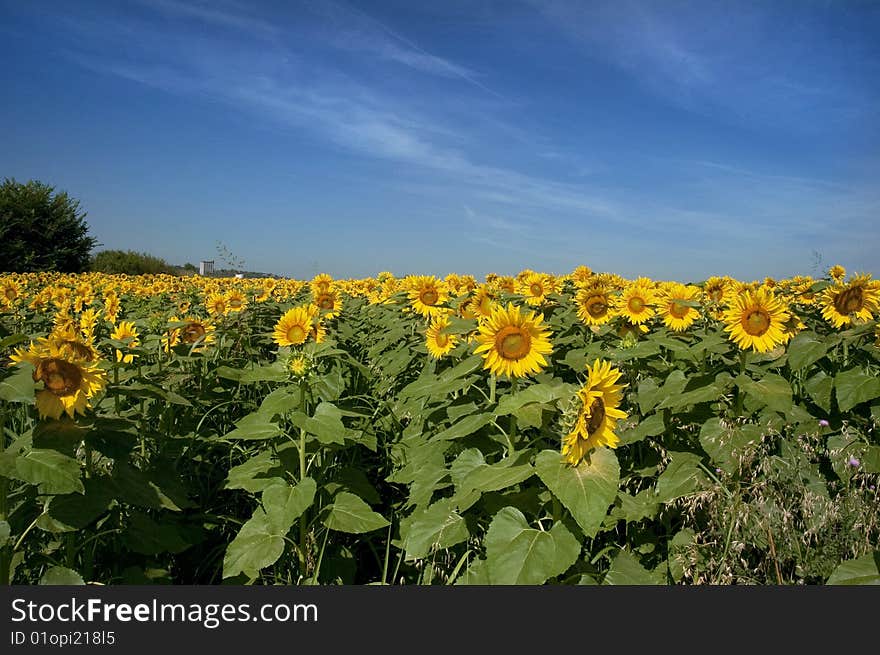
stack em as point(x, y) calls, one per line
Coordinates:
point(321, 283)
point(295, 327)
point(535, 287)
point(595, 306)
point(513, 343)
point(427, 295)
point(327, 303)
point(837, 272)
point(125, 330)
point(68, 384)
point(636, 302)
point(236, 301)
point(757, 320)
point(674, 301)
point(298, 365)
point(483, 301)
point(216, 304)
point(581, 276)
point(10, 291)
point(111, 306)
point(198, 333)
point(599, 412)
point(438, 339)
point(856, 301)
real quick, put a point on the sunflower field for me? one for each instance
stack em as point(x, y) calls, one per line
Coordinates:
point(566, 429)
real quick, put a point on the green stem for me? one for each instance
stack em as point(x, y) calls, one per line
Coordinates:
point(303, 520)
point(514, 384)
point(740, 394)
point(492, 381)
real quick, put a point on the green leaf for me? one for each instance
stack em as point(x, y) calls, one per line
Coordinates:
point(4, 533)
point(260, 542)
point(349, 513)
point(543, 393)
point(148, 537)
point(326, 424)
point(726, 443)
point(464, 427)
point(53, 472)
point(853, 387)
point(648, 395)
point(254, 427)
point(284, 504)
point(771, 390)
point(439, 526)
point(681, 477)
point(59, 575)
point(256, 546)
point(648, 427)
point(519, 555)
point(76, 511)
point(819, 389)
point(495, 477)
point(18, 387)
point(805, 349)
point(627, 570)
point(586, 491)
point(862, 571)
point(871, 459)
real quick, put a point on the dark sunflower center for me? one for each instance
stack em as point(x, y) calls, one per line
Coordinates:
point(325, 302)
point(429, 296)
point(235, 302)
point(756, 322)
point(536, 289)
point(597, 306)
point(60, 377)
point(513, 342)
point(597, 416)
point(193, 332)
point(442, 339)
point(716, 294)
point(11, 294)
point(678, 310)
point(636, 304)
point(849, 301)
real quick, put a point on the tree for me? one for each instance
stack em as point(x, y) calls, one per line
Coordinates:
point(129, 262)
point(41, 230)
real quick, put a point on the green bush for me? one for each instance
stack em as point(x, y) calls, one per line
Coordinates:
point(129, 262)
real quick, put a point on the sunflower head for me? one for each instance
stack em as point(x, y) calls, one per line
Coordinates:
point(513, 343)
point(295, 326)
point(599, 410)
point(535, 287)
point(594, 305)
point(676, 303)
point(856, 301)
point(757, 320)
point(439, 341)
point(636, 303)
point(427, 295)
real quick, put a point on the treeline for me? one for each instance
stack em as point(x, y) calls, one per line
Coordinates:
point(136, 263)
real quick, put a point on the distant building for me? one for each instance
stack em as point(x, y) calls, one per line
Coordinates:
point(206, 267)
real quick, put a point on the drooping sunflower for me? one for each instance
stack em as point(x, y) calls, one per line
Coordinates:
point(673, 302)
point(68, 384)
point(582, 275)
point(236, 301)
point(427, 295)
point(636, 303)
point(856, 301)
point(438, 339)
point(595, 305)
point(757, 320)
point(482, 302)
point(111, 306)
point(327, 303)
point(125, 330)
point(295, 326)
point(599, 412)
point(513, 343)
point(198, 333)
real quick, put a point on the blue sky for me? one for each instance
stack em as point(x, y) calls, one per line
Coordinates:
point(670, 139)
